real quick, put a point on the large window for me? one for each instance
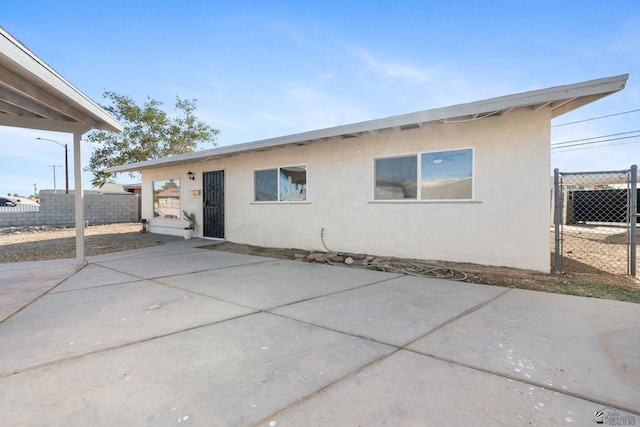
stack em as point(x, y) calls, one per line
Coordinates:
point(447, 175)
point(166, 198)
point(284, 184)
point(443, 175)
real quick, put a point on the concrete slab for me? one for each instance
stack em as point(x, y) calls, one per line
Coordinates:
point(174, 245)
point(274, 282)
point(233, 373)
point(100, 349)
point(187, 260)
point(22, 283)
point(588, 347)
point(408, 389)
point(67, 324)
point(91, 276)
point(393, 312)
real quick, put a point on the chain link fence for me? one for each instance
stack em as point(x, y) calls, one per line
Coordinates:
point(595, 222)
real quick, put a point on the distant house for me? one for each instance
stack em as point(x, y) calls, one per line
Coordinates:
point(115, 188)
point(132, 188)
point(111, 188)
point(466, 183)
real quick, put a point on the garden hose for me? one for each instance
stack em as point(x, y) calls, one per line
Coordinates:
point(410, 267)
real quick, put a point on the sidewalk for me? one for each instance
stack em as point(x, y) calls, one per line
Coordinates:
point(176, 335)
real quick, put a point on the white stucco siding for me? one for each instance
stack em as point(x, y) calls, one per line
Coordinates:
point(507, 223)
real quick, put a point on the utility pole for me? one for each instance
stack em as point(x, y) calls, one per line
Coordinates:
point(66, 163)
point(54, 177)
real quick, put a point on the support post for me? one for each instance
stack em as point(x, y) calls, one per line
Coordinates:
point(66, 169)
point(633, 220)
point(557, 219)
point(79, 198)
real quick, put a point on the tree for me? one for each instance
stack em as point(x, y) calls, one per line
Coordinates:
point(149, 132)
point(100, 178)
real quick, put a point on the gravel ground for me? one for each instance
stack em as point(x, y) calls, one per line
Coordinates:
point(43, 242)
point(35, 243)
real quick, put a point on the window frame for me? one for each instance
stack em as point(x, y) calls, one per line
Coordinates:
point(418, 198)
point(278, 185)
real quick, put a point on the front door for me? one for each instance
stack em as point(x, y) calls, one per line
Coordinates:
point(213, 204)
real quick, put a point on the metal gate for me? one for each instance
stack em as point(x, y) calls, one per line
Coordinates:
point(595, 221)
point(213, 204)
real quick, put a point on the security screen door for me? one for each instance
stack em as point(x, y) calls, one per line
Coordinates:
point(213, 204)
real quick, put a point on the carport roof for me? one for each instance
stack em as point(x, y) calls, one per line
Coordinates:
point(560, 100)
point(33, 95)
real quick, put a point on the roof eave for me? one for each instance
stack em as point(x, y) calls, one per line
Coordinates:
point(24, 68)
point(560, 99)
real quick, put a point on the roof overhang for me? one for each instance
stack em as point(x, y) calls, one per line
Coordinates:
point(559, 100)
point(33, 95)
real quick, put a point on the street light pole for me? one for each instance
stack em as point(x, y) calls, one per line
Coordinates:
point(66, 163)
point(54, 177)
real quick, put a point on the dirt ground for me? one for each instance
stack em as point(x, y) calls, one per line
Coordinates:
point(594, 248)
point(36, 243)
point(596, 284)
point(39, 243)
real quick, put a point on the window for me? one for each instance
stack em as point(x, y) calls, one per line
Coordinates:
point(285, 184)
point(447, 175)
point(166, 198)
point(444, 175)
point(396, 178)
point(266, 185)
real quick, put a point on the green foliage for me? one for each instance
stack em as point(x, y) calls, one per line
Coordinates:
point(100, 178)
point(190, 218)
point(603, 290)
point(149, 132)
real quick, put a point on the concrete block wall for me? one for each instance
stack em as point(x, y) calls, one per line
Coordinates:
point(59, 209)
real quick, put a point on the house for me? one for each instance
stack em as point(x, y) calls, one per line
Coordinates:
point(465, 183)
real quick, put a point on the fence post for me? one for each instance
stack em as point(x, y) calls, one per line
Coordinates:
point(633, 220)
point(557, 218)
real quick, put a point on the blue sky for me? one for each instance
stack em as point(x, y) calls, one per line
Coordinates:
point(262, 69)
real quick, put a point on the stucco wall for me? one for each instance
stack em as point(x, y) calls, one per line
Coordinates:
point(59, 209)
point(506, 224)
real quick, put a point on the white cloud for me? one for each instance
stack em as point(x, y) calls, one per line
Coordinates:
point(393, 70)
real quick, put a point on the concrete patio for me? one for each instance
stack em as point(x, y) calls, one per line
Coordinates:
point(176, 335)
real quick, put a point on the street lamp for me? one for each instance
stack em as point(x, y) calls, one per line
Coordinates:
point(54, 177)
point(66, 162)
